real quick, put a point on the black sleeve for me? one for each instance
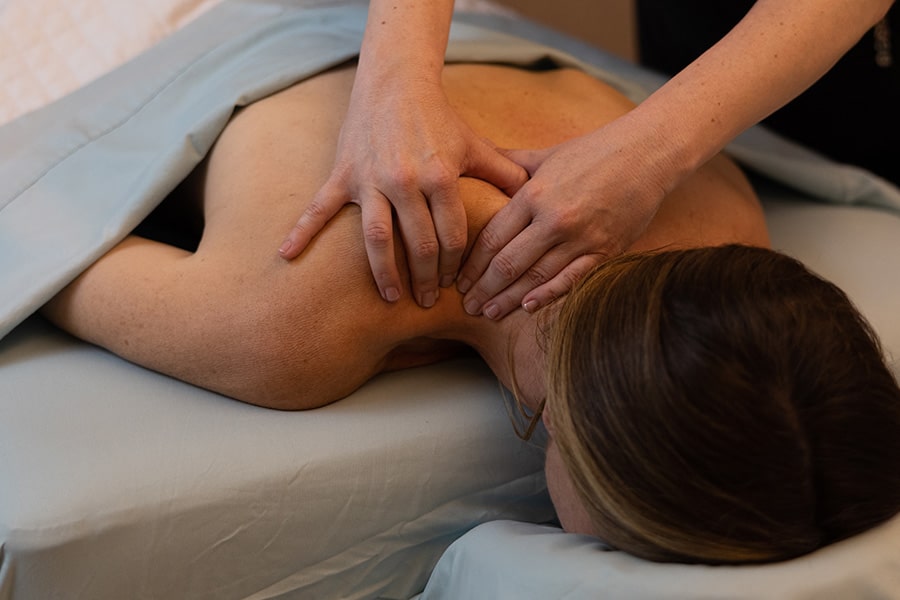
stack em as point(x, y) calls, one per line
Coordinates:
point(852, 114)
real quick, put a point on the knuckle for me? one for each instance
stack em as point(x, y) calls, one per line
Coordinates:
point(404, 177)
point(561, 220)
point(532, 191)
point(504, 267)
point(442, 179)
point(567, 281)
point(300, 228)
point(490, 241)
point(315, 211)
point(378, 235)
point(537, 275)
point(455, 242)
point(425, 249)
point(570, 277)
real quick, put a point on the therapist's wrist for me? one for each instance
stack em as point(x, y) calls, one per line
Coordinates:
point(389, 85)
point(384, 71)
point(668, 149)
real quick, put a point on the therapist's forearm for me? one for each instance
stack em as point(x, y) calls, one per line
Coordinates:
point(777, 51)
point(406, 38)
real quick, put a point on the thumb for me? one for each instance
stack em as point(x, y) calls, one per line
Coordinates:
point(530, 160)
point(489, 164)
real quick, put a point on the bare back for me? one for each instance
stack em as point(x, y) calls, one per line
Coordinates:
point(236, 318)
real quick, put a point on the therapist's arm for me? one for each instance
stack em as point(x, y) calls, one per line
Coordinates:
point(401, 151)
point(776, 52)
point(593, 196)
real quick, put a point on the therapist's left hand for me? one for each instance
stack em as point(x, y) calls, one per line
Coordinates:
point(401, 151)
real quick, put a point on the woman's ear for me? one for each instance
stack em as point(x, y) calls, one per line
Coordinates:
point(546, 417)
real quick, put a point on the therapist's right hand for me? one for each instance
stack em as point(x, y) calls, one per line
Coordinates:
point(401, 151)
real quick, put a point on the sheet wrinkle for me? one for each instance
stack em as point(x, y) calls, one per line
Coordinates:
point(527, 489)
point(94, 138)
point(234, 533)
point(154, 574)
point(258, 60)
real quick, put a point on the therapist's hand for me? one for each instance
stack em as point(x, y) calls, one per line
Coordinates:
point(588, 199)
point(401, 151)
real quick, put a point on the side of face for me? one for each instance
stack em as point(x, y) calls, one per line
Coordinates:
point(569, 508)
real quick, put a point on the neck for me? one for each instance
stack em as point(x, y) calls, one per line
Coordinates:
point(509, 347)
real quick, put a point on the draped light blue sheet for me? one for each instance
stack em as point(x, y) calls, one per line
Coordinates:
point(76, 177)
point(118, 482)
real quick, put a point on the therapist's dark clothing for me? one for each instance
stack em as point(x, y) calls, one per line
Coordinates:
point(851, 115)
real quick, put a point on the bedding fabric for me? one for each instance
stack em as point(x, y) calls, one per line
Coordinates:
point(505, 560)
point(150, 123)
point(116, 478)
point(118, 482)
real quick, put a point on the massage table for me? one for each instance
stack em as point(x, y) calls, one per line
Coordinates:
point(116, 481)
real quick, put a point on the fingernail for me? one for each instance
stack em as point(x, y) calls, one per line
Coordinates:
point(447, 280)
point(391, 294)
point(472, 307)
point(492, 311)
point(531, 306)
point(285, 246)
point(428, 299)
point(463, 285)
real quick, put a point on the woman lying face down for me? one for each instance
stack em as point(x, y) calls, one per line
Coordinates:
point(232, 316)
point(740, 411)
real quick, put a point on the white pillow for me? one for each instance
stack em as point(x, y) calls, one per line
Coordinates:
point(506, 560)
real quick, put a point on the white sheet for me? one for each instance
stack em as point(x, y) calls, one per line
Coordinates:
point(121, 483)
point(506, 560)
point(114, 478)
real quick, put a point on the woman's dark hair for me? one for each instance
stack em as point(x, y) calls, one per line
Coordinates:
point(722, 405)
